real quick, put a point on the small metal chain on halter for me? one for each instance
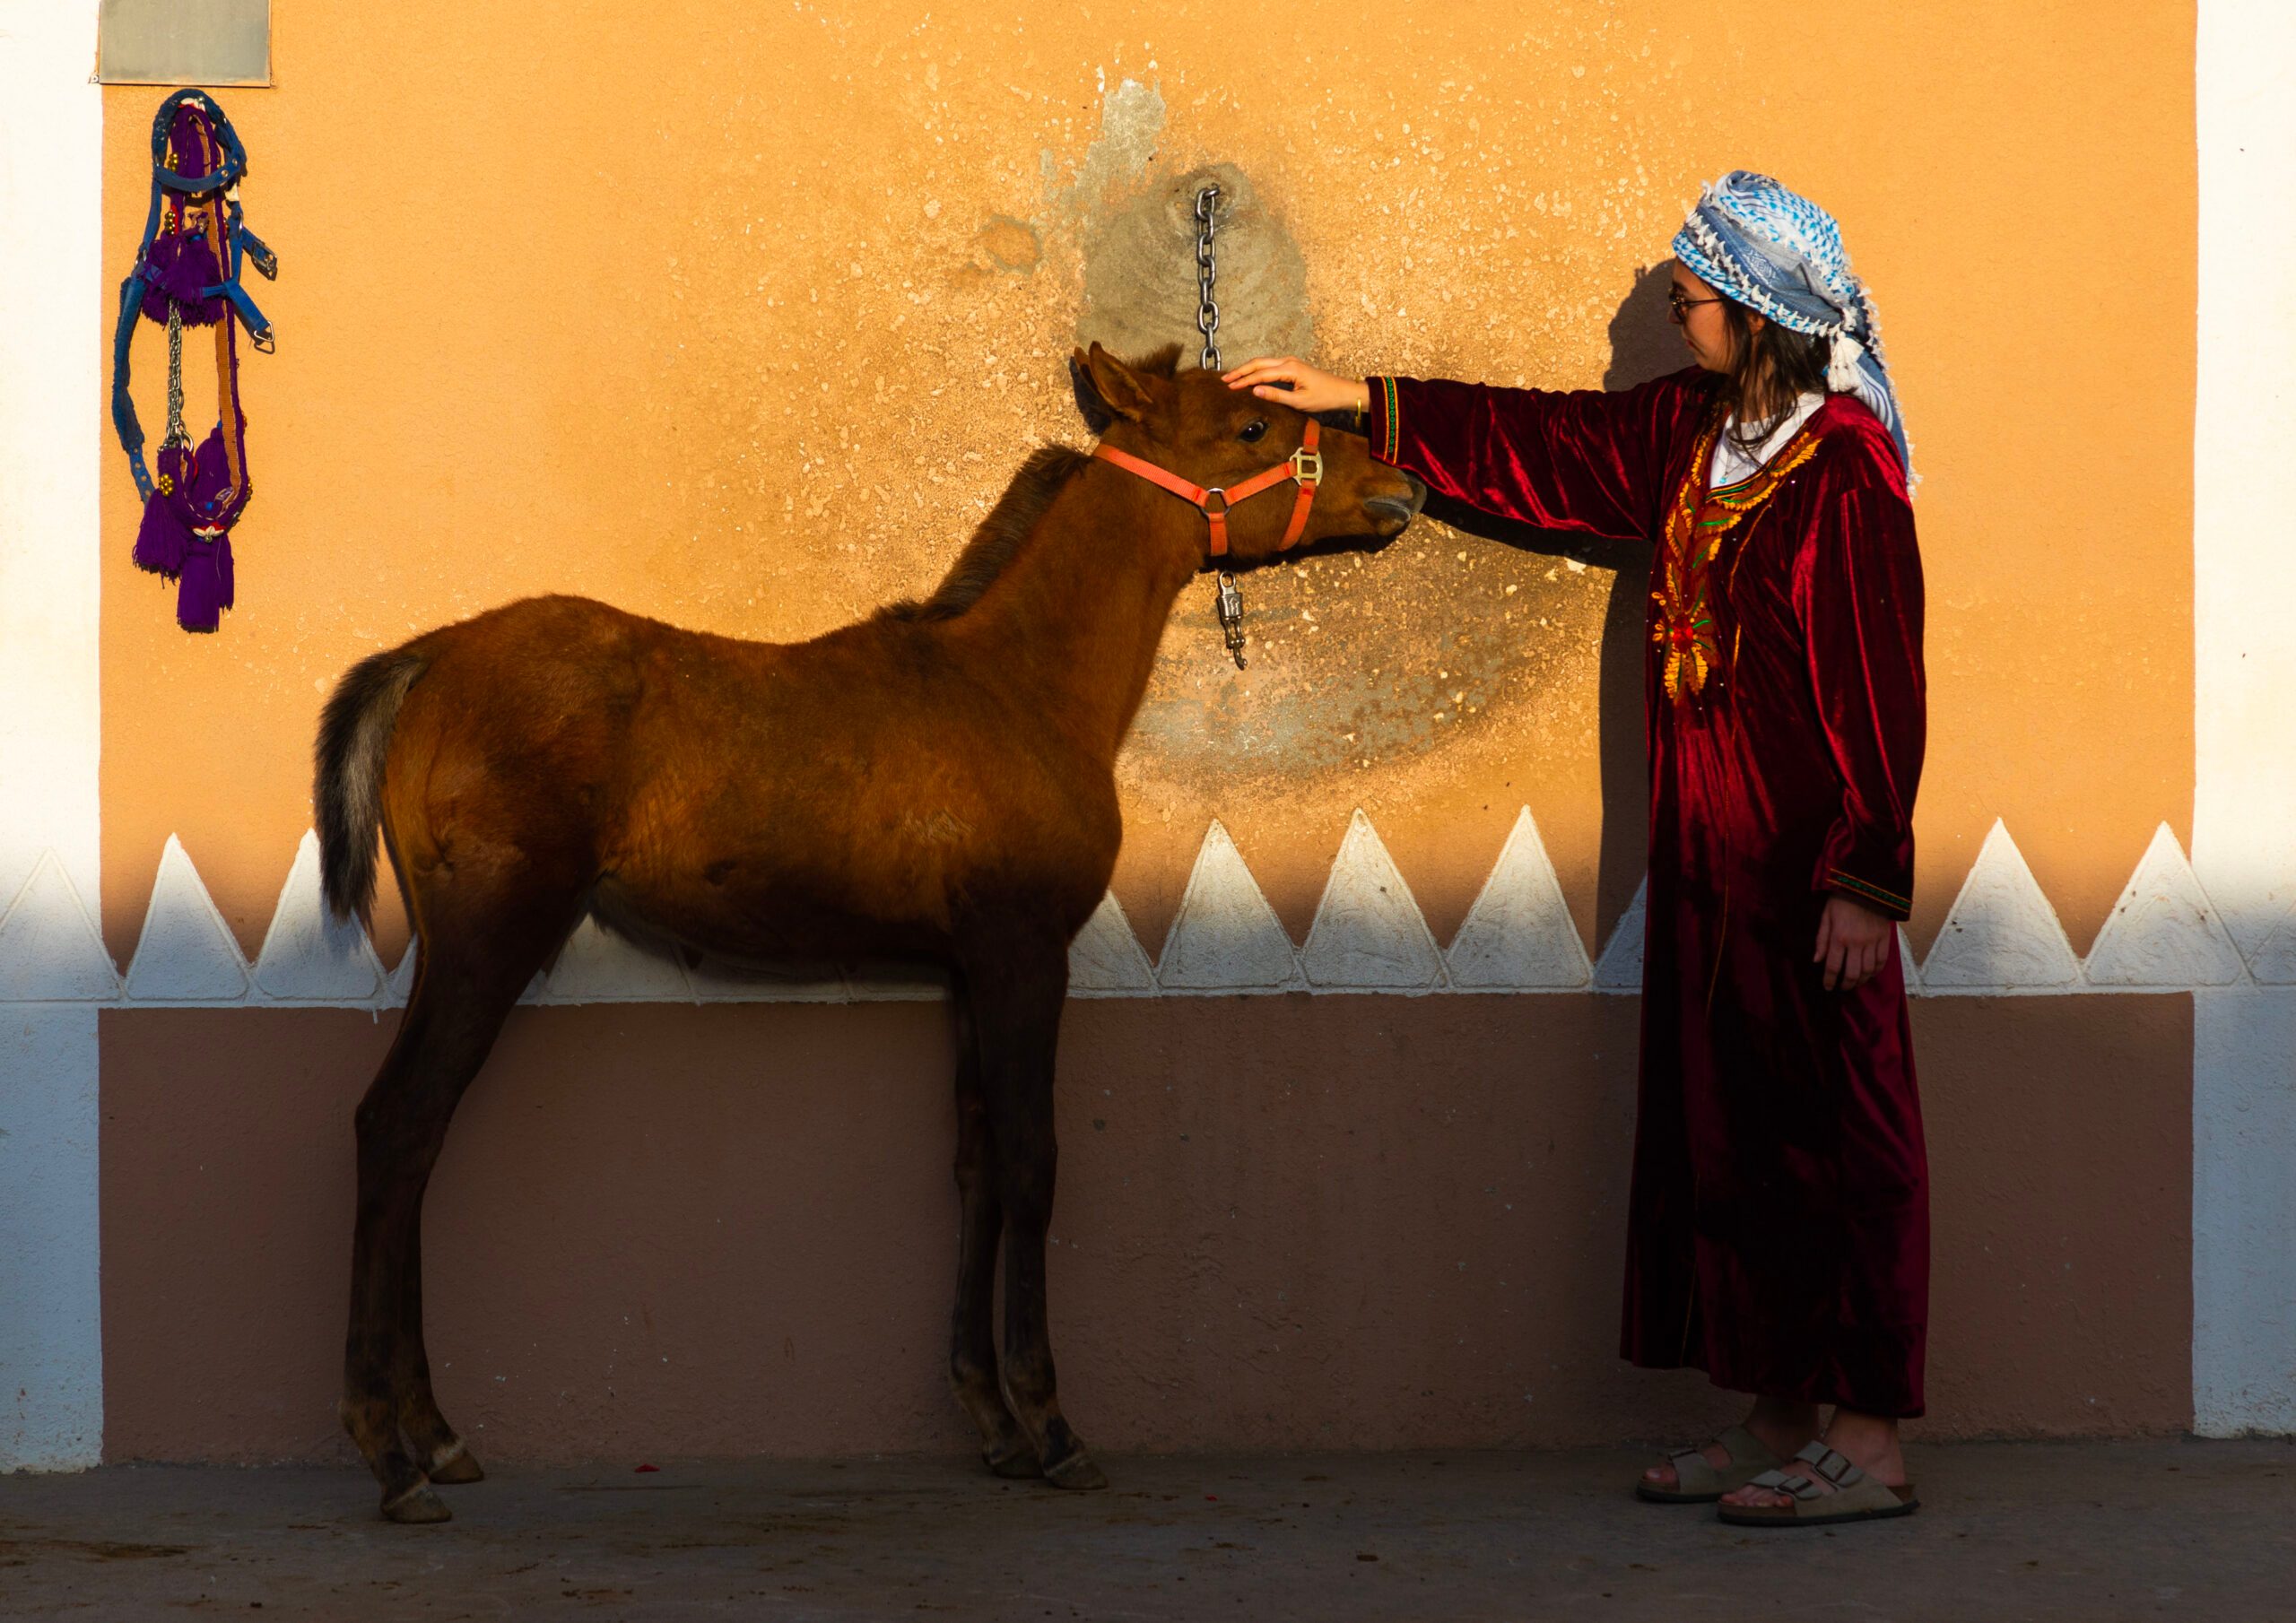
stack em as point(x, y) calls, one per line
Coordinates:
point(1228, 603)
point(177, 434)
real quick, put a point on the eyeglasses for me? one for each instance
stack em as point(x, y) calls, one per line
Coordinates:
point(1676, 304)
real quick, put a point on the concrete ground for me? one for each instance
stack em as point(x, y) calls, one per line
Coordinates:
point(2093, 1531)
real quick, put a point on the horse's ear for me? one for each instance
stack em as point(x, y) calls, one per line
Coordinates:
point(1106, 388)
point(1097, 416)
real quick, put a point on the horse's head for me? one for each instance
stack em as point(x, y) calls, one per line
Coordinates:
point(1249, 460)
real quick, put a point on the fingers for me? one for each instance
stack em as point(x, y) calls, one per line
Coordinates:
point(1864, 960)
point(1265, 369)
point(1854, 945)
point(1290, 381)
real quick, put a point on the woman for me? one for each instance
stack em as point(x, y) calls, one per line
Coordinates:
point(1780, 1228)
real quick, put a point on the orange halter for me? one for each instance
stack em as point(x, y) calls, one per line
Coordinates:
point(1304, 467)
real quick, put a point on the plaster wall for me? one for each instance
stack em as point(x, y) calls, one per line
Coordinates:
point(1285, 1222)
point(742, 318)
point(2244, 826)
point(51, 365)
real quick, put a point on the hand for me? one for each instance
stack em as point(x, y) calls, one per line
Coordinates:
point(1854, 942)
point(1311, 390)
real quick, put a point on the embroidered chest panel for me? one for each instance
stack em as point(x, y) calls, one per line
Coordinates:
point(1686, 589)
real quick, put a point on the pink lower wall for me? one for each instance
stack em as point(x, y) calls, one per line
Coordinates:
point(1285, 1222)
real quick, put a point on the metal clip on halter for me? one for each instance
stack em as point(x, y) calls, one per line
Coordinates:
point(1230, 606)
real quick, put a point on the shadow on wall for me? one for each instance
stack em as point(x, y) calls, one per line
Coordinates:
point(1643, 346)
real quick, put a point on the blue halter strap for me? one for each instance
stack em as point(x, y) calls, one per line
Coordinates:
point(242, 244)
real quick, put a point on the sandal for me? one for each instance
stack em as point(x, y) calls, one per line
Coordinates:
point(1698, 1481)
point(1855, 1497)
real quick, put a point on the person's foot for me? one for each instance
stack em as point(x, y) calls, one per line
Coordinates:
point(1781, 1427)
point(1869, 1442)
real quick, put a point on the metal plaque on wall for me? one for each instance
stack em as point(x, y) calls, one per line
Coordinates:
point(213, 42)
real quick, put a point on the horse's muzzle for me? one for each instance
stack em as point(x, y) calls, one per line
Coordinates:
point(1404, 508)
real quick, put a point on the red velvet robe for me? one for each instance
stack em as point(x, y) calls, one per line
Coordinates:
point(1779, 1234)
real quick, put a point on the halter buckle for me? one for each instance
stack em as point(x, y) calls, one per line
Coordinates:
point(1209, 511)
point(1307, 466)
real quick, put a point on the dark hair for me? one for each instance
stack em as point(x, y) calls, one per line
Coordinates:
point(1769, 370)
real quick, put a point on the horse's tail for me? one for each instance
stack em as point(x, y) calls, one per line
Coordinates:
point(354, 736)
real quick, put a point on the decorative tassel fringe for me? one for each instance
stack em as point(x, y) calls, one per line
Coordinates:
point(162, 541)
point(205, 588)
point(1842, 367)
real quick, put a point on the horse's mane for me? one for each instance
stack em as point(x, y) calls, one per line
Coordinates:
point(1006, 529)
point(1000, 537)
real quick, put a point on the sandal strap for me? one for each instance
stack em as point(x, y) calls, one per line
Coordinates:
point(1834, 1466)
point(1777, 1481)
point(1694, 1472)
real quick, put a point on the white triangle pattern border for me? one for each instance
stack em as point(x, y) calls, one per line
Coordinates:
point(2163, 935)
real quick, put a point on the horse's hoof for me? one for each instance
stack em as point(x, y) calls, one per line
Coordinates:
point(417, 1507)
point(1078, 1472)
point(1019, 1459)
point(454, 1465)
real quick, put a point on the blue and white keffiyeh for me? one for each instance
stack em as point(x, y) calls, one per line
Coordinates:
point(1777, 252)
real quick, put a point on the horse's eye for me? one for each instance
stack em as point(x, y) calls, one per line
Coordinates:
point(1253, 430)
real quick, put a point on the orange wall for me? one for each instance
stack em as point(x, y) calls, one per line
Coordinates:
point(717, 313)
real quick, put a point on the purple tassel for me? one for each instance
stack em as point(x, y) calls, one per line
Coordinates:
point(179, 269)
point(179, 264)
point(205, 591)
point(161, 544)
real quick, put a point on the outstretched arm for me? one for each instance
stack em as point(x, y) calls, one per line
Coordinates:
point(1576, 460)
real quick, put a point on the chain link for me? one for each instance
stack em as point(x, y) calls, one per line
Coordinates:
point(1208, 313)
point(1227, 602)
point(177, 435)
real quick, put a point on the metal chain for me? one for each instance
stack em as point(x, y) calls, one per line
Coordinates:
point(1227, 602)
point(1208, 313)
point(177, 435)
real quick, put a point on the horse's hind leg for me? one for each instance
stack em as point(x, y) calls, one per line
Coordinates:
point(1017, 988)
point(972, 1337)
point(430, 1440)
point(451, 1023)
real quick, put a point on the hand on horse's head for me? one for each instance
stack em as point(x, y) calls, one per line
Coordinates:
point(1217, 448)
point(1296, 384)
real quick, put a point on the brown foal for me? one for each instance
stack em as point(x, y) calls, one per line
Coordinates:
point(936, 782)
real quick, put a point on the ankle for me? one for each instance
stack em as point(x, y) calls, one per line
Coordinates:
point(1863, 1438)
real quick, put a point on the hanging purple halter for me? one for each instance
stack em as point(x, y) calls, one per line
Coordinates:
point(186, 273)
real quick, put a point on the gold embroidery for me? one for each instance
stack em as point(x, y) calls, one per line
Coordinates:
point(1685, 625)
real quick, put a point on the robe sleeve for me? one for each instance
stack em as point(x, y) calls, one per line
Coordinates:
point(1858, 596)
point(1579, 459)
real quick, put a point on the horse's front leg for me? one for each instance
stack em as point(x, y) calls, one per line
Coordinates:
point(1016, 1003)
point(973, 1334)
